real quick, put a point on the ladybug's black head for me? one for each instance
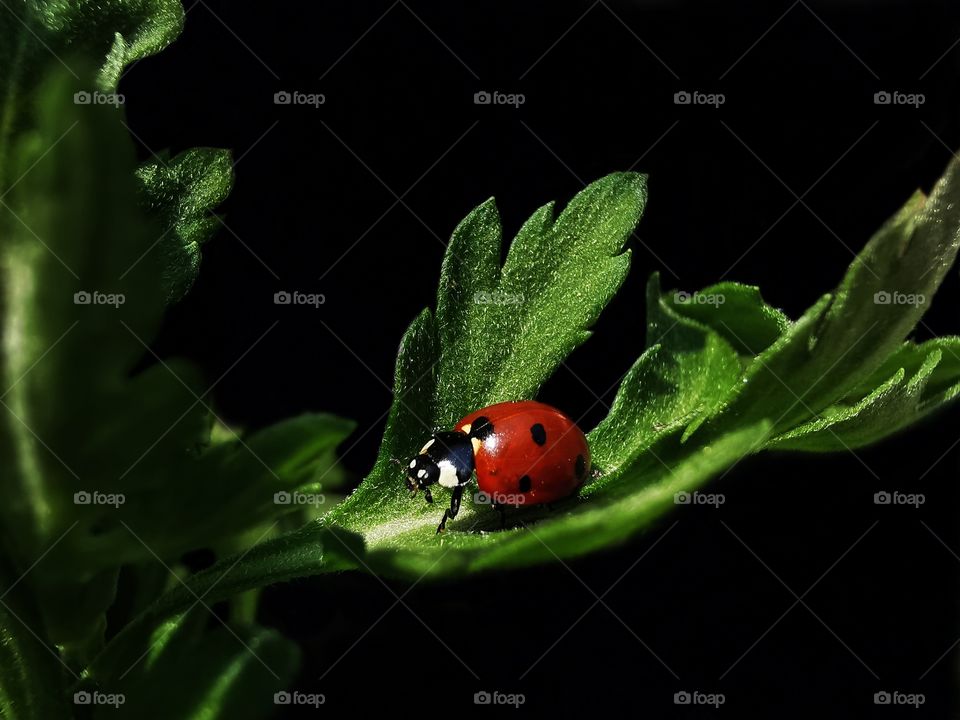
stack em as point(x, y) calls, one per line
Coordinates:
point(446, 459)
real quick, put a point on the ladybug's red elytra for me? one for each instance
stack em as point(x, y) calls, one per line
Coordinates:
point(524, 453)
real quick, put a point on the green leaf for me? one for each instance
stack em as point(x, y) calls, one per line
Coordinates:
point(558, 276)
point(197, 674)
point(90, 255)
point(81, 414)
point(686, 372)
point(76, 418)
point(181, 192)
point(32, 680)
point(925, 377)
point(65, 234)
point(499, 332)
point(910, 357)
point(849, 334)
point(312, 550)
point(737, 312)
point(39, 38)
point(141, 28)
point(235, 485)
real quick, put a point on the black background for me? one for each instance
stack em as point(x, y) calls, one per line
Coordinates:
point(314, 209)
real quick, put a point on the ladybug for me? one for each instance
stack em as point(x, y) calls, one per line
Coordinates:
point(523, 452)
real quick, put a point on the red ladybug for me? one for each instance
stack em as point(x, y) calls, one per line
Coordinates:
point(524, 453)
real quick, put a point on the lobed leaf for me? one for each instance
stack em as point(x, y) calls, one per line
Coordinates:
point(498, 333)
point(502, 331)
point(848, 334)
point(39, 38)
point(88, 408)
point(687, 370)
point(736, 312)
point(181, 192)
point(926, 377)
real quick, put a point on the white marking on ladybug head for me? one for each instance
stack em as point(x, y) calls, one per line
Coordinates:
point(426, 447)
point(413, 464)
point(448, 474)
point(422, 474)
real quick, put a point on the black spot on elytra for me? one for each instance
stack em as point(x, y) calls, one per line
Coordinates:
point(525, 484)
point(481, 428)
point(580, 466)
point(539, 434)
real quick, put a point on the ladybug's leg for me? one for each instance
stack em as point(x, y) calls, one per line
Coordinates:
point(502, 510)
point(454, 508)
